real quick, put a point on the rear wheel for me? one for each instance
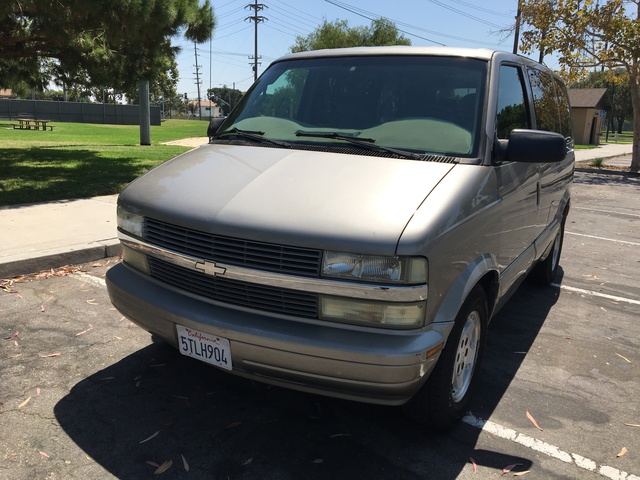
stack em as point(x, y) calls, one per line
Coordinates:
point(445, 397)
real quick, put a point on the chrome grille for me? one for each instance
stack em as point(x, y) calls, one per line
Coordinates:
point(233, 251)
point(265, 298)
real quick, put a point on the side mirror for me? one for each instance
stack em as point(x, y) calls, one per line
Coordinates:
point(536, 146)
point(214, 125)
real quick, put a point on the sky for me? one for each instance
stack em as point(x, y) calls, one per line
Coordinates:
point(225, 59)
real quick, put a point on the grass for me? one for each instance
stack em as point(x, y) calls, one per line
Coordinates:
point(78, 160)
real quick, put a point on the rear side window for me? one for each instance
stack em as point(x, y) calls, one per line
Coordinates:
point(550, 102)
point(512, 107)
point(566, 125)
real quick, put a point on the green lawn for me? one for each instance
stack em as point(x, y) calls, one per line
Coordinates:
point(78, 160)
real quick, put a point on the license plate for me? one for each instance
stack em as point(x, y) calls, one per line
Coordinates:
point(205, 347)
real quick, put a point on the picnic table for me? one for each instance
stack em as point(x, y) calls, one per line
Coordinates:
point(32, 124)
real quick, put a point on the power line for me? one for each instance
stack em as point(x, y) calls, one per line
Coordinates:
point(373, 16)
point(485, 10)
point(464, 14)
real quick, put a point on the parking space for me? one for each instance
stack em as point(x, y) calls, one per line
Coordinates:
point(87, 395)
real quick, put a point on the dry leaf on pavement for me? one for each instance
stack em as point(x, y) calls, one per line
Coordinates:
point(185, 464)
point(624, 358)
point(508, 469)
point(89, 328)
point(13, 335)
point(149, 438)
point(24, 403)
point(475, 465)
point(623, 452)
point(164, 467)
point(533, 420)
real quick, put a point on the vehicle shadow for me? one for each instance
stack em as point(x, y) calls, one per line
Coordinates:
point(593, 176)
point(156, 406)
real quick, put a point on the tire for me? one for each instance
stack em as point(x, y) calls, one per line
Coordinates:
point(445, 397)
point(545, 271)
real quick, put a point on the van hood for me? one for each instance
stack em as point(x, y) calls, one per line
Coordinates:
point(301, 198)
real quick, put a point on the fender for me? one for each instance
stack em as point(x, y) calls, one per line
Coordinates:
point(469, 278)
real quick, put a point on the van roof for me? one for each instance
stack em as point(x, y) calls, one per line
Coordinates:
point(479, 53)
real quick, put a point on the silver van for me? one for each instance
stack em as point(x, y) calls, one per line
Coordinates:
point(355, 222)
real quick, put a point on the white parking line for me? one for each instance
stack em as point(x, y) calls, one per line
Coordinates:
point(604, 238)
point(607, 211)
point(597, 294)
point(91, 278)
point(547, 449)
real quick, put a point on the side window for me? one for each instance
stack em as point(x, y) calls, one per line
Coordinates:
point(566, 125)
point(512, 107)
point(545, 101)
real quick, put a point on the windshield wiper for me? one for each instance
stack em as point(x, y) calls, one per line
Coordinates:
point(254, 135)
point(362, 142)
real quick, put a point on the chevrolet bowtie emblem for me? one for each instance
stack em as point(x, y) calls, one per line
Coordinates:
point(210, 268)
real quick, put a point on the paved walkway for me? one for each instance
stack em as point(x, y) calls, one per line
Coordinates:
point(48, 235)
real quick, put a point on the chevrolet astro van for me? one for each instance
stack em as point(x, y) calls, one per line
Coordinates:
point(355, 222)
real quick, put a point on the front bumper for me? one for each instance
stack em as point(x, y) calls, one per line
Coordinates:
point(365, 364)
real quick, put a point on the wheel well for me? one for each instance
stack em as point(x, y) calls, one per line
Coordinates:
point(491, 286)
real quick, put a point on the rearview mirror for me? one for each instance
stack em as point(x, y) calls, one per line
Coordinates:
point(214, 125)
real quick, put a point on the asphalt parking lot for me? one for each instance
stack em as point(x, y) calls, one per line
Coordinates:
point(87, 395)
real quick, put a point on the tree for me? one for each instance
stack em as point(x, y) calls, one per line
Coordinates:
point(116, 42)
point(339, 35)
point(584, 34)
point(227, 97)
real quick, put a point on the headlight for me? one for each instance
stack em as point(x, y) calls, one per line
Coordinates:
point(130, 222)
point(373, 268)
point(373, 314)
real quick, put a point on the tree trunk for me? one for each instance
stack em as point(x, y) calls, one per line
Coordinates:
point(145, 114)
point(634, 83)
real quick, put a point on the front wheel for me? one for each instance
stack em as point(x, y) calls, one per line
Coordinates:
point(446, 396)
point(545, 271)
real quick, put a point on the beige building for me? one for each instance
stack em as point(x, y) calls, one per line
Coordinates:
point(589, 107)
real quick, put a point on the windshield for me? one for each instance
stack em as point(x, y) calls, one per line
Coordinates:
point(422, 104)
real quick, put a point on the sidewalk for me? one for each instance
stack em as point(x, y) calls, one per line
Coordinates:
point(36, 237)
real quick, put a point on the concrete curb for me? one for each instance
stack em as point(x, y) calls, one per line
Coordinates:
point(25, 264)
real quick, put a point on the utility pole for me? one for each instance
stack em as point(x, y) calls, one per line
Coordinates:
point(516, 40)
point(210, 62)
point(256, 7)
point(195, 46)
